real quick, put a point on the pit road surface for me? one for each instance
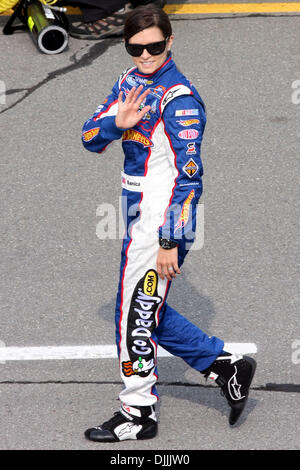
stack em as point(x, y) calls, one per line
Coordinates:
point(58, 279)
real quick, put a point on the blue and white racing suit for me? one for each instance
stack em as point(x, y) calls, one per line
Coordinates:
point(161, 186)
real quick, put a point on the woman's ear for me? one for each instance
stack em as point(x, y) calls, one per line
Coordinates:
point(170, 42)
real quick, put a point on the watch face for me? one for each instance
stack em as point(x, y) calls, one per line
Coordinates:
point(164, 243)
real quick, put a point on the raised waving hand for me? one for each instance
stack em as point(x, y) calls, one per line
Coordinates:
point(128, 111)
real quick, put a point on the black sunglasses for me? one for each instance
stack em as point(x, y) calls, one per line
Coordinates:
point(154, 48)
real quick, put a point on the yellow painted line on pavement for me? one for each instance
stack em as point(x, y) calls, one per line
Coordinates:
point(213, 8)
point(204, 8)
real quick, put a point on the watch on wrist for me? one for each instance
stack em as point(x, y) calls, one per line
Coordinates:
point(167, 244)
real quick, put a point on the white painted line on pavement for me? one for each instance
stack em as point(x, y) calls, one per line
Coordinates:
point(106, 351)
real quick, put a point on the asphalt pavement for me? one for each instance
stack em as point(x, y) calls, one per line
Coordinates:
point(59, 279)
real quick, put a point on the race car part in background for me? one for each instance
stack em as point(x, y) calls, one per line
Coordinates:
point(47, 24)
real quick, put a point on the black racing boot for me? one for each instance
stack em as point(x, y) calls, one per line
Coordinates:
point(234, 375)
point(129, 422)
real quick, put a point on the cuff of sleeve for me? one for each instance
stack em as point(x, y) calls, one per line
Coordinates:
point(116, 132)
point(168, 234)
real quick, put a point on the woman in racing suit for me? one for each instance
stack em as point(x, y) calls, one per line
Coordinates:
point(161, 119)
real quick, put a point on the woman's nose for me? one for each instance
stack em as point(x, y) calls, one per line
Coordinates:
point(145, 54)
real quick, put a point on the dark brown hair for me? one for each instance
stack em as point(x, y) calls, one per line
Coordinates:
point(144, 17)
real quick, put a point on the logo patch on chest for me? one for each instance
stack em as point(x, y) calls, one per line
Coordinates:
point(135, 136)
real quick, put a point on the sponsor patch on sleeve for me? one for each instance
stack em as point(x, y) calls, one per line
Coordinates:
point(89, 135)
point(188, 122)
point(187, 112)
point(188, 134)
point(184, 216)
point(191, 148)
point(190, 168)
